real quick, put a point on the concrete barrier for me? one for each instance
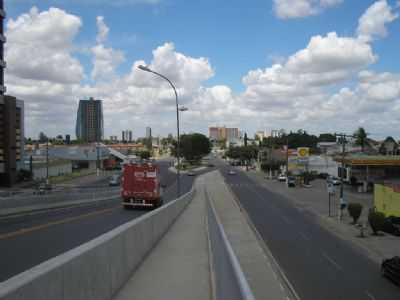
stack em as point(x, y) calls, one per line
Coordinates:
point(97, 269)
point(229, 280)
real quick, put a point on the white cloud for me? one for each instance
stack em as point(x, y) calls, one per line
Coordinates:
point(39, 46)
point(372, 23)
point(287, 9)
point(325, 61)
point(105, 60)
point(102, 30)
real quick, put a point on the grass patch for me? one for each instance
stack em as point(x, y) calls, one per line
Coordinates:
point(67, 177)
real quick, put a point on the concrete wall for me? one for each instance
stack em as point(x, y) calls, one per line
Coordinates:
point(97, 269)
point(230, 282)
point(55, 170)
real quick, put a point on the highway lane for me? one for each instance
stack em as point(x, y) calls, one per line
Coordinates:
point(318, 264)
point(28, 241)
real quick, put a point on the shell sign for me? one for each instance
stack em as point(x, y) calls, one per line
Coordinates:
point(303, 152)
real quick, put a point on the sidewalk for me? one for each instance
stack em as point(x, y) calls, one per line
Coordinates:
point(178, 267)
point(315, 200)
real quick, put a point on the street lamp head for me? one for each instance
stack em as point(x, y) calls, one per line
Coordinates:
point(144, 68)
point(183, 108)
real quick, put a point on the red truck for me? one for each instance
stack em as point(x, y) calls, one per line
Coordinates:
point(141, 185)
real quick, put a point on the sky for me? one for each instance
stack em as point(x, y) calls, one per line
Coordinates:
point(318, 65)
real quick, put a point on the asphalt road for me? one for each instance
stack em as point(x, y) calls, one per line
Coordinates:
point(317, 263)
point(29, 240)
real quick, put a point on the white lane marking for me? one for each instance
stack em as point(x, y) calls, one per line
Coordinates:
point(370, 295)
point(305, 236)
point(335, 264)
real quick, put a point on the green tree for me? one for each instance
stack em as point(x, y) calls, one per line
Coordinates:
point(42, 137)
point(383, 149)
point(361, 137)
point(193, 146)
point(327, 137)
point(145, 154)
point(243, 153)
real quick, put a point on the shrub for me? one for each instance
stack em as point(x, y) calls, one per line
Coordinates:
point(355, 210)
point(376, 220)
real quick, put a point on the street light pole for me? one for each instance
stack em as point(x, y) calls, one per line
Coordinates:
point(146, 69)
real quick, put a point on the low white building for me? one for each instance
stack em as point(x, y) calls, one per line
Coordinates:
point(323, 164)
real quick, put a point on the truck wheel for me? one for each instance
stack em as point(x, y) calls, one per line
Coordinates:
point(126, 206)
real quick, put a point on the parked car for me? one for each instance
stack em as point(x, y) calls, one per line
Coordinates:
point(390, 268)
point(43, 187)
point(323, 175)
point(282, 177)
point(291, 181)
point(231, 172)
point(334, 180)
point(114, 180)
point(392, 225)
point(191, 173)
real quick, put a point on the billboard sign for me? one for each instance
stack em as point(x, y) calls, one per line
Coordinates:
point(303, 152)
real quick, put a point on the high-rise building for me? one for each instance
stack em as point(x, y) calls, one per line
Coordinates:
point(213, 133)
point(2, 41)
point(127, 136)
point(148, 132)
point(223, 133)
point(89, 121)
point(232, 134)
point(11, 138)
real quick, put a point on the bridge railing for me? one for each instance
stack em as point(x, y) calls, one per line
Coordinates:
point(97, 269)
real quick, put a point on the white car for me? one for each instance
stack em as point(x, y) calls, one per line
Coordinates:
point(334, 180)
point(231, 172)
point(282, 178)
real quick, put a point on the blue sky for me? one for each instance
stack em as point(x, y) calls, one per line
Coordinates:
point(235, 36)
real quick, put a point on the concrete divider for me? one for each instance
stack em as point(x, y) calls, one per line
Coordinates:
point(97, 269)
point(229, 280)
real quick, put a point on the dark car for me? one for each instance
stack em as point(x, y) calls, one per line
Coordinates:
point(291, 181)
point(390, 268)
point(392, 225)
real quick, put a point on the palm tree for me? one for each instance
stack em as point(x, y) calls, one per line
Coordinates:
point(361, 137)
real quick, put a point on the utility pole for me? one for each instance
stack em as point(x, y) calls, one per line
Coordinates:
point(270, 155)
point(287, 155)
point(47, 160)
point(342, 139)
point(97, 161)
